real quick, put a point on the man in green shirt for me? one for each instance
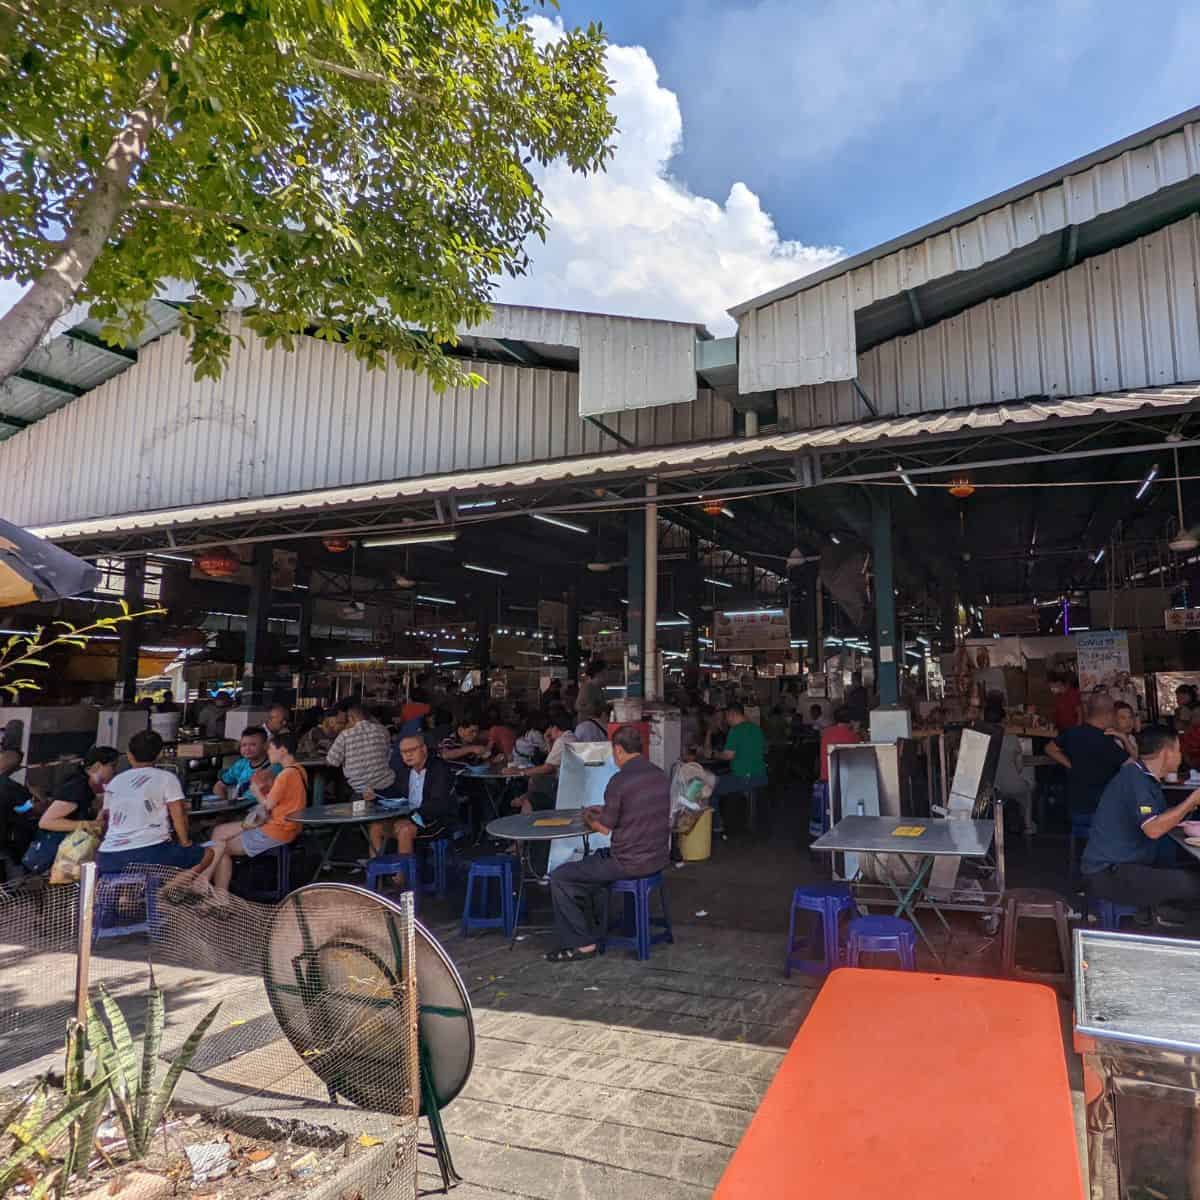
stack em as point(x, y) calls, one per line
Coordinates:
point(745, 749)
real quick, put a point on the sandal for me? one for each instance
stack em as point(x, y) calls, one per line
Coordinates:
point(569, 955)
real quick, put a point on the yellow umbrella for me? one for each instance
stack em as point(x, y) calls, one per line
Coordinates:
point(32, 569)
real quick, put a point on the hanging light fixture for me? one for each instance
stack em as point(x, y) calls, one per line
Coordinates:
point(714, 508)
point(218, 563)
point(962, 488)
point(336, 545)
point(1185, 540)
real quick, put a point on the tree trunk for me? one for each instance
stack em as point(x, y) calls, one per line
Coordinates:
point(29, 320)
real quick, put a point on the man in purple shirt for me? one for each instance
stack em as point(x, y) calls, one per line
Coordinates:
point(637, 812)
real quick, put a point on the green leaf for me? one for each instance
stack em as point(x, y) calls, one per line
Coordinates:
point(180, 1064)
point(151, 1041)
point(124, 1060)
point(47, 1136)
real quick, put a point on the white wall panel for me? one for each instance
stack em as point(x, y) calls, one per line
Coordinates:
point(626, 363)
point(1122, 321)
point(279, 422)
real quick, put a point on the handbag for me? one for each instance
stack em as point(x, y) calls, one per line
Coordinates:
point(78, 847)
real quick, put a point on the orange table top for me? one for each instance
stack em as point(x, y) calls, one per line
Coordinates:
point(904, 1084)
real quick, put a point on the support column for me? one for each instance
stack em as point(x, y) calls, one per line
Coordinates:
point(304, 632)
point(635, 587)
point(573, 634)
point(257, 612)
point(650, 616)
point(131, 631)
point(693, 601)
point(885, 599)
point(487, 602)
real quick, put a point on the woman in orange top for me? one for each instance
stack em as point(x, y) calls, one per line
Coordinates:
point(267, 826)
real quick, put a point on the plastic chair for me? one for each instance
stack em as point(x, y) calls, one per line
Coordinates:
point(384, 866)
point(500, 868)
point(828, 901)
point(1033, 904)
point(638, 925)
point(882, 935)
point(437, 860)
point(107, 913)
point(281, 856)
point(1109, 913)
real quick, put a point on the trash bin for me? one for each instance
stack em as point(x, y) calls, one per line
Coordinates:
point(696, 844)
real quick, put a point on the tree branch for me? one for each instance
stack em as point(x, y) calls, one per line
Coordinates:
point(149, 204)
point(30, 319)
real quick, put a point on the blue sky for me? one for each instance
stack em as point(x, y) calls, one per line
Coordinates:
point(856, 122)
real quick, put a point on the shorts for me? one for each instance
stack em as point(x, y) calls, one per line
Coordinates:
point(165, 854)
point(255, 842)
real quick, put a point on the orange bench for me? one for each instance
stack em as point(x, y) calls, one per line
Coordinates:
point(905, 1085)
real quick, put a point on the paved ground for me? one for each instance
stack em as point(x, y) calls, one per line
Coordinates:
point(610, 1078)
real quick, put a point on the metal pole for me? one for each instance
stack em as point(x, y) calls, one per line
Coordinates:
point(83, 949)
point(651, 603)
point(408, 946)
point(885, 598)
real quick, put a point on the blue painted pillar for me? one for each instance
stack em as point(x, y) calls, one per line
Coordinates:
point(885, 599)
point(635, 592)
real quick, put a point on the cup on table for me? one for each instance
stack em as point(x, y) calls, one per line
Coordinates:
point(359, 807)
point(1173, 777)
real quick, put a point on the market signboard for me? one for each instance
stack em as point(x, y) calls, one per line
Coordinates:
point(1103, 658)
point(1179, 619)
point(743, 632)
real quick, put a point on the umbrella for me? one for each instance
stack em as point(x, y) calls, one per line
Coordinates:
point(32, 569)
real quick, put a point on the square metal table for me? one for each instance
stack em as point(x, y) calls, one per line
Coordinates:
point(940, 837)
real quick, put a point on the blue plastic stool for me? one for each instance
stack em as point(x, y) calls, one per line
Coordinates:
point(1110, 914)
point(386, 865)
point(437, 859)
point(882, 935)
point(108, 905)
point(828, 901)
point(500, 868)
point(638, 925)
point(282, 857)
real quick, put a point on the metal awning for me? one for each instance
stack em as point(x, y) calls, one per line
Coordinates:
point(675, 461)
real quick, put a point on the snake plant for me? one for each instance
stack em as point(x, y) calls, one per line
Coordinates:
point(139, 1102)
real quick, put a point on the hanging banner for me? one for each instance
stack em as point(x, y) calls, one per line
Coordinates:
point(1180, 619)
point(743, 632)
point(1103, 658)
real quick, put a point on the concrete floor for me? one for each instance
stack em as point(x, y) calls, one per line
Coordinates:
point(609, 1078)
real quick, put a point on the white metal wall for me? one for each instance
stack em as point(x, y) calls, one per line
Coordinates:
point(280, 421)
point(1123, 320)
point(773, 337)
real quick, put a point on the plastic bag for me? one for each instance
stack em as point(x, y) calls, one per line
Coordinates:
point(79, 846)
point(691, 791)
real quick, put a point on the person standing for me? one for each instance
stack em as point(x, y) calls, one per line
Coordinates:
point(1133, 814)
point(592, 704)
point(1090, 756)
point(637, 813)
point(745, 750)
point(1068, 704)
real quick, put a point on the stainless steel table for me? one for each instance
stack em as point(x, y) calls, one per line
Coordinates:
point(940, 837)
point(495, 785)
point(223, 808)
point(339, 817)
point(525, 830)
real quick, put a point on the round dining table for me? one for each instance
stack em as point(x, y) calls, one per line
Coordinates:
point(339, 818)
point(527, 829)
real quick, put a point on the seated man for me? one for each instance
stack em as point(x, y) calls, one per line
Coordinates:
point(317, 741)
point(362, 750)
point(466, 745)
point(267, 826)
point(637, 812)
point(745, 751)
point(1119, 859)
point(427, 784)
point(543, 776)
point(234, 782)
point(279, 719)
point(143, 805)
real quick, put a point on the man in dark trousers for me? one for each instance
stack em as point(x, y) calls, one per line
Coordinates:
point(637, 812)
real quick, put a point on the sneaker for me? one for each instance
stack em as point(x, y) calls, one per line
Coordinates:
point(1143, 918)
point(1168, 916)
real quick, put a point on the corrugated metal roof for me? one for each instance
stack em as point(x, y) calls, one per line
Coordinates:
point(1121, 321)
point(1126, 176)
point(777, 331)
point(74, 361)
point(633, 463)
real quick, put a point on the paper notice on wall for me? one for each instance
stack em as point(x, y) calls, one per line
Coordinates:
point(1103, 657)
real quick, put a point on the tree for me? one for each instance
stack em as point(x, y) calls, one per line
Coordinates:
point(359, 169)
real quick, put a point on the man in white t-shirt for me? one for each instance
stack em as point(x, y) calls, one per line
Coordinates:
point(141, 808)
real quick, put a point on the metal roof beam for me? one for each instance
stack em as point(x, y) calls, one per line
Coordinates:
point(48, 381)
point(98, 343)
point(14, 422)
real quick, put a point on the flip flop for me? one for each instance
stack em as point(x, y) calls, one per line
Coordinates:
point(570, 955)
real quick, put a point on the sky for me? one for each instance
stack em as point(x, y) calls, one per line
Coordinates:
point(762, 139)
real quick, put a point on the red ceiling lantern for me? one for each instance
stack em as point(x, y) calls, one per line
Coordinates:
point(714, 508)
point(219, 563)
point(336, 545)
point(962, 488)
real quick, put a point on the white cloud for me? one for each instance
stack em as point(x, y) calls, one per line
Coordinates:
point(636, 242)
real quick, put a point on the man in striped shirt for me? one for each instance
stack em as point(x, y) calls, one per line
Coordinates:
point(362, 751)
